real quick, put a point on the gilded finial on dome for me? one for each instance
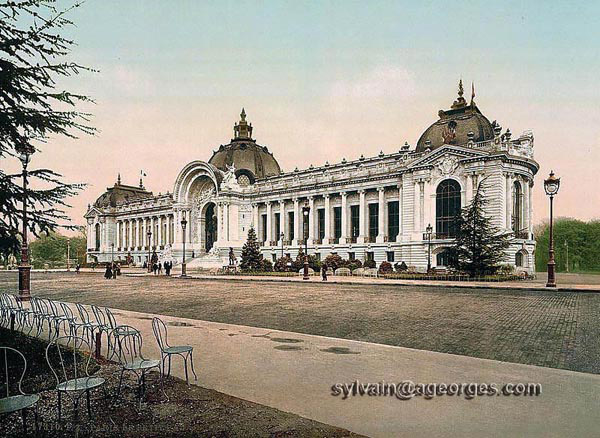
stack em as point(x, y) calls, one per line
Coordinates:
point(242, 130)
point(460, 102)
point(119, 179)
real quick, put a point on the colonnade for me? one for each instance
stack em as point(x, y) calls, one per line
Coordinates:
point(132, 233)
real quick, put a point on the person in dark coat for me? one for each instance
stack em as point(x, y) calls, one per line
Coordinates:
point(324, 271)
point(168, 267)
point(108, 272)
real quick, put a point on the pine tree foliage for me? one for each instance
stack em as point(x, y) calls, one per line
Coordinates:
point(251, 257)
point(479, 246)
point(33, 110)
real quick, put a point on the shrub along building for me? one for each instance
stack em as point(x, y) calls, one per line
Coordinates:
point(368, 208)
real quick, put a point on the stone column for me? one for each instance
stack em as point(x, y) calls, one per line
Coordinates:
point(508, 201)
point(400, 210)
point(381, 216)
point(361, 216)
point(421, 205)
point(297, 221)
point(344, 236)
point(416, 204)
point(131, 243)
point(311, 220)
point(530, 220)
point(281, 221)
point(269, 225)
point(255, 218)
point(526, 199)
point(144, 231)
point(327, 237)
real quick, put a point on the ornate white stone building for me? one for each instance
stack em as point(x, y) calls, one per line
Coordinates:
point(377, 207)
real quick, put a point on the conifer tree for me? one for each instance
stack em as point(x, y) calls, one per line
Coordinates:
point(33, 110)
point(251, 257)
point(479, 246)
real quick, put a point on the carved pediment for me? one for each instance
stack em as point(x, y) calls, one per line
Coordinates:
point(446, 158)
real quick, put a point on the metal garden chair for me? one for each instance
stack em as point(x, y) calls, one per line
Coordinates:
point(72, 371)
point(41, 314)
point(19, 401)
point(74, 325)
point(89, 326)
point(103, 325)
point(113, 334)
point(129, 348)
point(58, 318)
point(166, 351)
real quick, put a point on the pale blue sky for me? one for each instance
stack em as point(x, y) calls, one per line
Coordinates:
point(325, 80)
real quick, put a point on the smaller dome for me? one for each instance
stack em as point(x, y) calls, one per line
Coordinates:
point(249, 158)
point(456, 125)
point(121, 193)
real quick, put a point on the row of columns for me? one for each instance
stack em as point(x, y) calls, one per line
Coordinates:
point(133, 233)
point(298, 232)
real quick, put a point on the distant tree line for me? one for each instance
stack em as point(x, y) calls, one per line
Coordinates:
point(582, 239)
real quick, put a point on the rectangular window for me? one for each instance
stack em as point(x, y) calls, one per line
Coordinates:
point(393, 218)
point(351, 256)
point(390, 256)
point(274, 256)
point(291, 224)
point(277, 227)
point(370, 255)
point(264, 228)
point(321, 221)
point(318, 256)
point(354, 220)
point(373, 220)
point(337, 222)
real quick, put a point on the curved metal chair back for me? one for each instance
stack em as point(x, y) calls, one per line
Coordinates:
point(54, 309)
point(83, 313)
point(100, 316)
point(67, 311)
point(128, 342)
point(63, 358)
point(160, 333)
point(7, 381)
point(112, 322)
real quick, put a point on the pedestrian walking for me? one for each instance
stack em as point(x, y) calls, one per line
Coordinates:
point(155, 268)
point(324, 271)
point(108, 272)
point(77, 267)
point(168, 266)
point(159, 268)
point(114, 271)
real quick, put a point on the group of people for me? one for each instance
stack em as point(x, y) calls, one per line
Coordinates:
point(157, 267)
point(112, 270)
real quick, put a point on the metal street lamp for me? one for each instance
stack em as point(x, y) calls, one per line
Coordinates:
point(281, 236)
point(149, 235)
point(551, 186)
point(24, 266)
point(305, 212)
point(183, 267)
point(112, 253)
point(427, 236)
point(68, 254)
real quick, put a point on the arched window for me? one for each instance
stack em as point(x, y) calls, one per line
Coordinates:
point(517, 218)
point(442, 258)
point(447, 207)
point(97, 237)
point(519, 259)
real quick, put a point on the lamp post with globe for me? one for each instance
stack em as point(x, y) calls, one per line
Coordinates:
point(183, 267)
point(24, 267)
point(305, 213)
point(551, 186)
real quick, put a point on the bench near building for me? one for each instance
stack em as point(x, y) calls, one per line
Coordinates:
point(367, 208)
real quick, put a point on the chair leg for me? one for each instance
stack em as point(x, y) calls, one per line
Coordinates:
point(186, 371)
point(192, 364)
point(169, 372)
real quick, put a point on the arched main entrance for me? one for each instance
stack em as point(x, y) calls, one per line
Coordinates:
point(210, 226)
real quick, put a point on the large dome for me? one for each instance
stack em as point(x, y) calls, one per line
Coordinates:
point(121, 193)
point(455, 124)
point(250, 159)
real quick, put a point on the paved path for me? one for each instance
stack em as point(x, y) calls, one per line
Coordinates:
point(294, 372)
